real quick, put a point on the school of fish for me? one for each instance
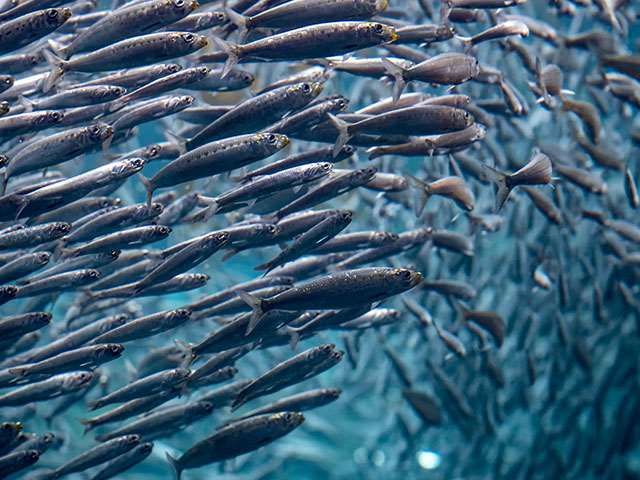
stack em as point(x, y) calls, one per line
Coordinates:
point(303, 239)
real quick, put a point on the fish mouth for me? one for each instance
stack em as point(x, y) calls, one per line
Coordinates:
point(66, 13)
point(194, 4)
point(394, 36)
point(416, 278)
point(108, 132)
point(316, 89)
point(283, 141)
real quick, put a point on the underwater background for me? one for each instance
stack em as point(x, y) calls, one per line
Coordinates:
point(555, 396)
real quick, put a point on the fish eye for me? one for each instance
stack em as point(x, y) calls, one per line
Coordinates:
point(404, 274)
point(52, 13)
point(174, 68)
point(178, 3)
point(56, 116)
point(43, 256)
point(95, 130)
point(34, 454)
point(220, 16)
point(204, 70)
point(94, 274)
point(348, 149)
point(379, 28)
point(306, 88)
point(188, 37)
point(271, 138)
point(247, 77)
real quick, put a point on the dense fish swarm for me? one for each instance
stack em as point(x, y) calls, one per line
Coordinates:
point(339, 239)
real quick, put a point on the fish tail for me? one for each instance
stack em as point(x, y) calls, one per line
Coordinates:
point(58, 67)
point(545, 95)
point(232, 51)
point(397, 72)
point(238, 402)
point(180, 142)
point(467, 41)
point(188, 349)
point(294, 337)
point(64, 253)
point(148, 186)
point(423, 196)
point(230, 253)
point(212, 207)
point(175, 466)
point(107, 144)
point(500, 180)
point(25, 103)
point(257, 305)
point(88, 425)
point(264, 266)
point(461, 312)
point(60, 246)
point(58, 49)
point(240, 22)
point(23, 204)
point(49, 421)
point(343, 133)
